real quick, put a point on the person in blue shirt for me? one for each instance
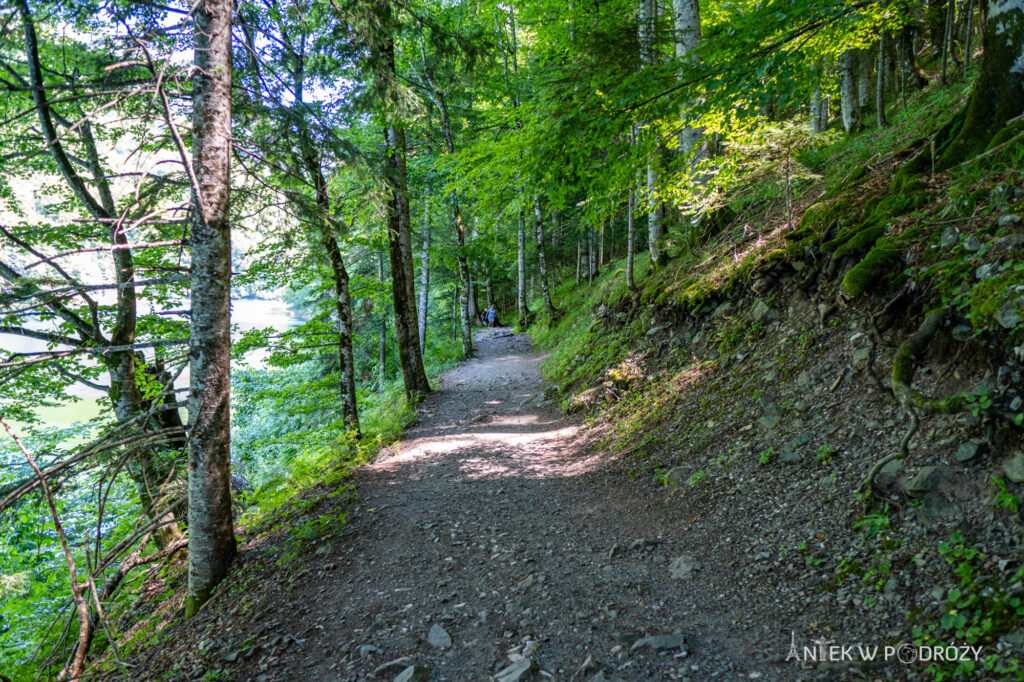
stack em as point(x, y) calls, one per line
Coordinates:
point(492, 316)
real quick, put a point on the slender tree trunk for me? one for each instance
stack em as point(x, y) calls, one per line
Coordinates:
point(947, 40)
point(848, 90)
point(579, 260)
point(522, 311)
point(647, 25)
point(864, 63)
point(382, 341)
point(814, 122)
point(425, 276)
point(590, 255)
point(686, 38)
point(600, 247)
point(400, 249)
point(211, 530)
point(910, 71)
point(310, 158)
point(630, 240)
point(541, 263)
point(343, 308)
point(466, 308)
point(880, 80)
point(967, 36)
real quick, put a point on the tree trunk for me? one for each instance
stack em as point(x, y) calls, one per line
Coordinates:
point(967, 36)
point(647, 26)
point(814, 124)
point(382, 342)
point(466, 308)
point(522, 311)
point(400, 250)
point(630, 240)
point(864, 63)
point(947, 40)
point(600, 247)
point(880, 80)
point(912, 74)
point(541, 263)
point(211, 530)
point(343, 308)
point(579, 260)
point(425, 276)
point(998, 92)
point(686, 38)
point(848, 90)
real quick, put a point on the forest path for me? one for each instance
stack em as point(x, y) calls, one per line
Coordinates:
point(494, 521)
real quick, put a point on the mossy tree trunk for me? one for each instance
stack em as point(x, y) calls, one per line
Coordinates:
point(998, 93)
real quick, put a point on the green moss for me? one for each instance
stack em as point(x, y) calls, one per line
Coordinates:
point(821, 218)
point(986, 298)
point(879, 261)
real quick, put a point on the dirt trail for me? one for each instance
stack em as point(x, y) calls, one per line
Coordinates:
point(494, 520)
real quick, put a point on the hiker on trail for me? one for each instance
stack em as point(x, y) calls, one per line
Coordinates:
point(492, 316)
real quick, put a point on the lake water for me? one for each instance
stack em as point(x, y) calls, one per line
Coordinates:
point(246, 314)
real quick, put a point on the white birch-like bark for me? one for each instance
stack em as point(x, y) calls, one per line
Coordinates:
point(425, 275)
point(686, 34)
point(848, 90)
point(211, 530)
point(814, 122)
point(647, 23)
point(541, 261)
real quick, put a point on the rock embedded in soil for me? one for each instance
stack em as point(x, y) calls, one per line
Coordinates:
point(929, 479)
point(969, 450)
point(439, 637)
point(522, 669)
point(683, 566)
point(1014, 468)
point(660, 642)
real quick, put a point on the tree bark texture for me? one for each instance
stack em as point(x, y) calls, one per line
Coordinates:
point(211, 530)
point(880, 77)
point(864, 65)
point(522, 310)
point(848, 90)
point(425, 276)
point(541, 262)
point(403, 295)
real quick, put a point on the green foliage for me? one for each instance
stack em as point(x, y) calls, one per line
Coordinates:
point(983, 607)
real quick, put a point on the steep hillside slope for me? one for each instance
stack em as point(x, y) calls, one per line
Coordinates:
point(836, 402)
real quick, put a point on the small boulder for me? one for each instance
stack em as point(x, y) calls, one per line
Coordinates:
point(439, 637)
point(1014, 468)
point(522, 669)
point(929, 479)
point(683, 566)
point(969, 450)
point(1009, 315)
